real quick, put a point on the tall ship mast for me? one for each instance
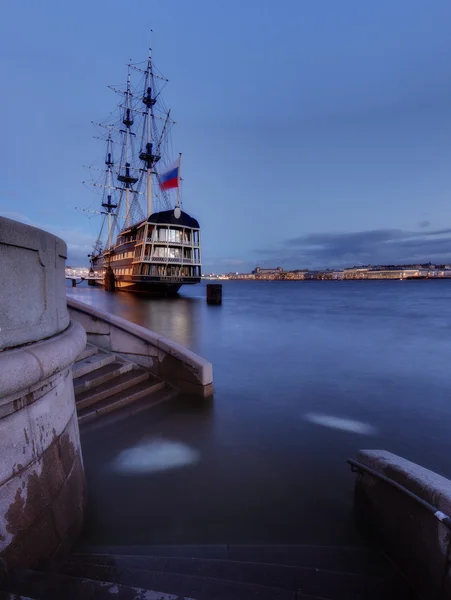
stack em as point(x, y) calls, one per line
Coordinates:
point(146, 243)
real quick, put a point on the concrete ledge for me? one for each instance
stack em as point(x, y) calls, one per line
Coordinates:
point(23, 367)
point(162, 357)
point(417, 542)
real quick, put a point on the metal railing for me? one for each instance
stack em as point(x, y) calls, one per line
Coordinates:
point(169, 259)
point(173, 242)
point(357, 467)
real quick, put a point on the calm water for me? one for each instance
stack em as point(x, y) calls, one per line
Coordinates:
point(305, 374)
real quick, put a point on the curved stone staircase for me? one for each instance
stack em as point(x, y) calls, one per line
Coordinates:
point(105, 382)
point(213, 573)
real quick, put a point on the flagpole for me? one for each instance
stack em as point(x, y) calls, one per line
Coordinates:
point(178, 182)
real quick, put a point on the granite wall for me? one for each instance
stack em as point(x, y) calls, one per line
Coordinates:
point(42, 487)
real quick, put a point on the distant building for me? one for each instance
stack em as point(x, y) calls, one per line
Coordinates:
point(297, 274)
point(355, 273)
point(268, 273)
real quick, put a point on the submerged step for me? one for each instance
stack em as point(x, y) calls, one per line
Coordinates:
point(55, 586)
point(350, 559)
point(99, 376)
point(92, 363)
point(333, 585)
point(110, 388)
point(201, 588)
point(123, 398)
point(152, 402)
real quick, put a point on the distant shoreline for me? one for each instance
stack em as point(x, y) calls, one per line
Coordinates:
point(217, 279)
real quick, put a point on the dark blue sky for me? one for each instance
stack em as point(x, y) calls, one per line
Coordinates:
point(303, 125)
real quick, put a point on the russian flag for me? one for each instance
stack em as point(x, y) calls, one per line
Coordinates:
point(170, 178)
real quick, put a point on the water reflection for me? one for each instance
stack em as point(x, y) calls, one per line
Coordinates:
point(155, 455)
point(304, 374)
point(340, 423)
point(179, 318)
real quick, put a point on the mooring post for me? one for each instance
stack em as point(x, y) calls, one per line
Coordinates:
point(110, 280)
point(214, 293)
point(74, 282)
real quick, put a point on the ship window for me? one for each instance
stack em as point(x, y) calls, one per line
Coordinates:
point(175, 235)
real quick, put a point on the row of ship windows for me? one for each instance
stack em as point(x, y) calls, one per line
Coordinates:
point(122, 255)
point(122, 271)
point(164, 234)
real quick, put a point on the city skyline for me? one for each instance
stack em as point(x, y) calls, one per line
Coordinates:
point(320, 139)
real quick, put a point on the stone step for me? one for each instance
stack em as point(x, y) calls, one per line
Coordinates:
point(154, 402)
point(110, 388)
point(350, 559)
point(201, 588)
point(123, 398)
point(333, 585)
point(100, 376)
point(91, 363)
point(54, 586)
point(88, 351)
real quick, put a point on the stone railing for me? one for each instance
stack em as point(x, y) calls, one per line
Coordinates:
point(42, 487)
point(166, 359)
point(406, 509)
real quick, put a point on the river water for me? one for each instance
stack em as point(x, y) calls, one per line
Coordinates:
point(305, 374)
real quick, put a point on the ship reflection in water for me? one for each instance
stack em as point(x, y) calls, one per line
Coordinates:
point(305, 374)
point(175, 318)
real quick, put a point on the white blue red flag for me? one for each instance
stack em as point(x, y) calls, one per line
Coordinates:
point(170, 178)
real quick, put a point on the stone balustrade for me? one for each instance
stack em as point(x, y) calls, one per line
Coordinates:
point(411, 535)
point(164, 358)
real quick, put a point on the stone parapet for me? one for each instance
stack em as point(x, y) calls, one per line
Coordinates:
point(413, 536)
point(164, 358)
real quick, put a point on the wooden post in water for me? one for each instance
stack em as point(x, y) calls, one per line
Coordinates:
point(74, 282)
point(214, 293)
point(110, 280)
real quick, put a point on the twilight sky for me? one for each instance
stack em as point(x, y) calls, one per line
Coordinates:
point(313, 133)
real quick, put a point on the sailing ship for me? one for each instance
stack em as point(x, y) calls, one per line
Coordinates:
point(147, 243)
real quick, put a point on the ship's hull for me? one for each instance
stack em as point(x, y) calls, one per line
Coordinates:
point(156, 256)
point(150, 286)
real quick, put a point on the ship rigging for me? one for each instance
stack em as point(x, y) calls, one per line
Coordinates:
point(147, 243)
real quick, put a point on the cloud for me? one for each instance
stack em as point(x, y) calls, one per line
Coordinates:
point(233, 261)
point(15, 216)
point(379, 246)
point(227, 265)
point(79, 244)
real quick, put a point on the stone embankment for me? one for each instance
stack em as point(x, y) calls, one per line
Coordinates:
point(42, 485)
